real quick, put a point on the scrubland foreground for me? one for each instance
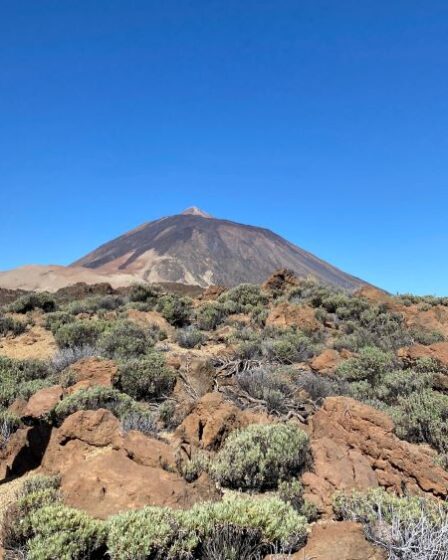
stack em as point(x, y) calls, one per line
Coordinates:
point(288, 420)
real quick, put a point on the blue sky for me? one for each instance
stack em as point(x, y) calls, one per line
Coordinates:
point(324, 121)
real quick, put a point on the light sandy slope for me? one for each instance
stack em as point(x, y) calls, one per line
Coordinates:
point(53, 277)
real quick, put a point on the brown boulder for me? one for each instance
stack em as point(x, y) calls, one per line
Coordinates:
point(98, 428)
point(433, 319)
point(104, 471)
point(107, 482)
point(286, 315)
point(378, 296)
point(212, 419)
point(326, 362)
point(150, 452)
point(42, 402)
point(90, 372)
point(211, 293)
point(281, 280)
point(437, 351)
point(353, 447)
point(18, 407)
point(341, 541)
point(150, 319)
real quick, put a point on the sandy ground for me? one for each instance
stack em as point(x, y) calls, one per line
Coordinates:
point(52, 277)
point(37, 343)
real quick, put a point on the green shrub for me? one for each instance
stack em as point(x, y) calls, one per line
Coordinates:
point(124, 339)
point(175, 309)
point(244, 297)
point(210, 315)
point(55, 320)
point(364, 506)
point(94, 398)
point(39, 482)
point(409, 528)
point(79, 333)
point(26, 389)
point(285, 347)
point(95, 304)
point(146, 378)
point(290, 347)
point(140, 420)
point(36, 492)
point(85, 306)
point(422, 417)
point(151, 532)
point(66, 534)
point(269, 384)
point(399, 384)
point(109, 302)
point(359, 322)
point(168, 414)
point(20, 378)
point(172, 534)
point(259, 314)
point(374, 327)
point(291, 492)
point(9, 423)
point(420, 335)
point(430, 301)
point(31, 301)
point(8, 325)
point(192, 468)
point(259, 456)
point(144, 294)
point(278, 523)
point(189, 337)
point(370, 365)
point(250, 349)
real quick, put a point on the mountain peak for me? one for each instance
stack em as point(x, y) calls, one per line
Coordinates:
point(195, 211)
point(205, 251)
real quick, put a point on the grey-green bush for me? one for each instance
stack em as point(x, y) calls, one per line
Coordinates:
point(261, 455)
point(146, 378)
point(94, 398)
point(189, 337)
point(66, 534)
point(124, 339)
point(31, 301)
point(79, 333)
point(175, 309)
point(210, 315)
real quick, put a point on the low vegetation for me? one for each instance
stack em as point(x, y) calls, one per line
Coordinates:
point(260, 456)
point(407, 528)
point(273, 356)
point(146, 378)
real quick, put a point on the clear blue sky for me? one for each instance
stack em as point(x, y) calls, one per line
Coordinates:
point(324, 121)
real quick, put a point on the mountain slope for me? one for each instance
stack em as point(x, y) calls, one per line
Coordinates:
point(195, 248)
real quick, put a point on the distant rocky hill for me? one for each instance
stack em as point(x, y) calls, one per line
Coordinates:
point(195, 248)
point(192, 248)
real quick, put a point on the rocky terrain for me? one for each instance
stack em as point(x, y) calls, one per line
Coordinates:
point(284, 420)
point(189, 248)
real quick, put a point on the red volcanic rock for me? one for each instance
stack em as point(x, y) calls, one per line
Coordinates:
point(326, 362)
point(104, 471)
point(290, 315)
point(42, 402)
point(212, 419)
point(89, 372)
point(353, 447)
point(342, 541)
point(437, 351)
